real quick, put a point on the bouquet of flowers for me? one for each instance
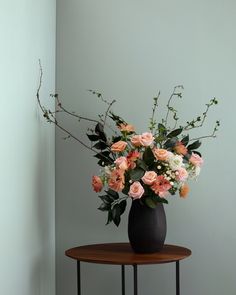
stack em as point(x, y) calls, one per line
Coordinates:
point(150, 166)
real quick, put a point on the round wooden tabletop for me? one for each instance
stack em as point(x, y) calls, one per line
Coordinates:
point(122, 254)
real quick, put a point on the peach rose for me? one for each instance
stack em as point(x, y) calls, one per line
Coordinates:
point(118, 146)
point(184, 190)
point(161, 185)
point(136, 140)
point(149, 177)
point(121, 163)
point(196, 160)
point(117, 180)
point(97, 183)
point(161, 154)
point(136, 190)
point(180, 148)
point(126, 127)
point(147, 139)
point(181, 174)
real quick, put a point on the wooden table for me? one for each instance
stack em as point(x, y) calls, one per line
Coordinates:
point(122, 254)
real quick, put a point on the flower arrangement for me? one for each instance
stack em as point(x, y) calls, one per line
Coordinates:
point(148, 166)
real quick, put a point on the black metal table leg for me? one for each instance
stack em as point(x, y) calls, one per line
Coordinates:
point(177, 279)
point(78, 278)
point(135, 279)
point(123, 279)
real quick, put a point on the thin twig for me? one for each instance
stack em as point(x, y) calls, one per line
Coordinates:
point(59, 104)
point(169, 101)
point(107, 111)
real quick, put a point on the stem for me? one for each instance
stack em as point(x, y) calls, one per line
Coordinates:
point(51, 118)
point(63, 109)
point(107, 111)
point(169, 101)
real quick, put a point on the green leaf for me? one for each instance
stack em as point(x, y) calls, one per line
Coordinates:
point(170, 143)
point(112, 194)
point(106, 199)
point(125, 190)
point(136, 174)
point(185, 140)
point(148, 156)
point(160, 138)
point(142, 165)
point(175, 133)
point(101, 145)
point(150, 202)
point(117, 211)
point(194, 145)
point(162, 129)
point(122, 206)
point(93, 137)
point(116, 214)
point(104, 207)
point(109, 217)
point(101, 163)
point(116, 138)
point(99, 130)
point(104, 157)
point(162, 200)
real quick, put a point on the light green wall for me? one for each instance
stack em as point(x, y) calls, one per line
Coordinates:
point(129, 50)
point(27, 226)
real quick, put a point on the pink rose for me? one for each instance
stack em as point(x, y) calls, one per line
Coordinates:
point(147, 139)
point(118, 146)
point(181, 174)
point(196, 160)
point(136, 140)
point(136, 190)
point(121, 163)
point(117, 180)
point(97, 184)
point(161, 154)
point(149, 177)
point(126, 127)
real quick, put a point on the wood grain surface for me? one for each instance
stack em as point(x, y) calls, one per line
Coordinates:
point(121, 253)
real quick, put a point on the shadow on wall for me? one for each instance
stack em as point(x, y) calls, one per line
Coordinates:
point(42, 274)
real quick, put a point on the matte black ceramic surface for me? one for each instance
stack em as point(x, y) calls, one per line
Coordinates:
point(146, 227)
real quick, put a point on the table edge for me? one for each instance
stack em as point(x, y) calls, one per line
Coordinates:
point(125, 262)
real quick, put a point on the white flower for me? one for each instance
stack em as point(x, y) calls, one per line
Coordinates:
point(194, 172)
point(175, 162)
point(107, 170)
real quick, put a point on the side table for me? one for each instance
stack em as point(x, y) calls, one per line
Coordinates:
point(122, 254)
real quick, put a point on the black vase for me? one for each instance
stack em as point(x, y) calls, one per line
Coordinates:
point(146, 227)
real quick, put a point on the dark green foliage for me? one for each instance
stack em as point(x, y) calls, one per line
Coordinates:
point(136, 174)
point(194, 145)
point(117, 211)
point(93, 137)
point(111, 204)
point(99, 130)
point(100, 145)
point(104, 158)
point(185, 140)
point(170, 143)
point(175, 133)
point(148, 156)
